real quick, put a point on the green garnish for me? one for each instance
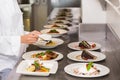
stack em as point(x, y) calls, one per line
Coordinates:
point(36, 64)
point(40, 54)
point(49, 51)
point(53, 31)
point(89, 65)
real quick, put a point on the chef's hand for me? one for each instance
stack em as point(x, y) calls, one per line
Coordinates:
point(35, 33)
point(30, 38)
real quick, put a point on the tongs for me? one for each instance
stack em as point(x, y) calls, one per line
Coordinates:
point(47, 41)
point(45, 37)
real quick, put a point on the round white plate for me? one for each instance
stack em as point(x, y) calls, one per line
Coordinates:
point(75, 46)
point(63, 18)
point(57, 42)
point(61, 31)
point(28, 55)
point(69, 69)
point(51, 26)
point(57, 22)
point(100, 56)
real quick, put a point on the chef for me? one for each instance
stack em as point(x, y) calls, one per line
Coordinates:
point(13, 39)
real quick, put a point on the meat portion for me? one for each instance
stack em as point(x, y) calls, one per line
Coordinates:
point(51, 55)
point(84, 44)
point(86, 55)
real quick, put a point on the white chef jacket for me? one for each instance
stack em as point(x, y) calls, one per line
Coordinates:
point(11, 28)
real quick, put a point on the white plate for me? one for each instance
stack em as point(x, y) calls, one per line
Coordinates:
point(63, 18)
point(55, 22)
point(69, 69)
point(51, 26)
point(28, 55)
point(57, 42)
point(61, 31)
point(100, 56)
point(53, 65)
point(75, 46)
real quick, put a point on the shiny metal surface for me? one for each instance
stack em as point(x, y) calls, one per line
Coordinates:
point(42, 8)
point(65, 3)
point(104, 4)
point(110, 47)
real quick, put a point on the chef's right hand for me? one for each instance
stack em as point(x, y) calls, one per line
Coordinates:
point(30, 38)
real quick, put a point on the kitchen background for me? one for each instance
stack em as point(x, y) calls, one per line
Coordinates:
point(36, 12)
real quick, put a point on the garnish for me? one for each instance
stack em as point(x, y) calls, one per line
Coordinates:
point(40, 54)
point(47, 55)
point(37, 66)
point(53, 31)
point(55, 25)
point(49, 51)
point(89, 65)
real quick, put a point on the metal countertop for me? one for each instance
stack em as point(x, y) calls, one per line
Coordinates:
point(105, 37)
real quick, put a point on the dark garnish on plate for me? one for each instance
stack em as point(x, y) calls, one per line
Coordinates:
point(53, 31)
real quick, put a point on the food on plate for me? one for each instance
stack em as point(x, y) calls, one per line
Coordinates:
point(85, 45)
point(59, 21)
point(47, 55)
point(68, 24)
point(57, 26)
point(64, 18)
point(86, 55)
point(53, 31)
point(88, 69)
point(65, 10)
point(37, 67)
point(61, 18)
point(64, 14)
point(51, 43)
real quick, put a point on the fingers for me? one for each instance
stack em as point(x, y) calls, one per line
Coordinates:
point(28, 39)
point(31, 40)
point(35, 33)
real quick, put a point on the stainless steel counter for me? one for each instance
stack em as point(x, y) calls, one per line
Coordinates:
point(100, 33)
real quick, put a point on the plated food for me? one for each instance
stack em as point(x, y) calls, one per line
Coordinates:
point(42, 55)
point(55, 26)
point(54, 32)
point(86, 56)
point(47, 55)
point(54, 42)
point(84, 45)
point(37, 68)
point(65, 14)
point(59, 22)
point(86, 70)
point(63, 18)
point(64, 10)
